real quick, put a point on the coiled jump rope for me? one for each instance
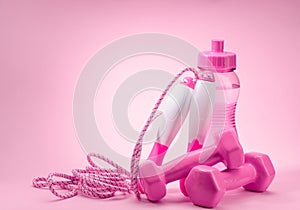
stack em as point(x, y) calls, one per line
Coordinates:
point(98, 182)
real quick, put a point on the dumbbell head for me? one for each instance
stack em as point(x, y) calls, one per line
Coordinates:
point(152, 180)
point(265, 171)
point(230, 149)
point(206, 185)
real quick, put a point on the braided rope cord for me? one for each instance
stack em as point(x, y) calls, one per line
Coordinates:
point(97, 182)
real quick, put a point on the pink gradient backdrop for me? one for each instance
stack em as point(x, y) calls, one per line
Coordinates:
point(45, 44)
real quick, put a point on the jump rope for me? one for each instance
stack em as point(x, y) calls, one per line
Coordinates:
point(98, 182)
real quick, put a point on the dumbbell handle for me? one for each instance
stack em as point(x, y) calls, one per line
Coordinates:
point(180, 167)
point(235, 178)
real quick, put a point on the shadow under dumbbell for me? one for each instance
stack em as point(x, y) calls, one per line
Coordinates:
point(243, 199)
point(234, 199)
point(175, 196)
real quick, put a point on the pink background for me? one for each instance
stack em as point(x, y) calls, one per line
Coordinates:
point(45, 44)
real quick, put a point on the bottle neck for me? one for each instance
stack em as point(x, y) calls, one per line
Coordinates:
point(216, 70)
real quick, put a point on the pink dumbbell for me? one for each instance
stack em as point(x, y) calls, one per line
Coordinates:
point(206, 185)
point(153, 178)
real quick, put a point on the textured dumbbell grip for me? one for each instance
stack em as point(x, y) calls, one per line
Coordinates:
point(234, 178)
point(180, 167)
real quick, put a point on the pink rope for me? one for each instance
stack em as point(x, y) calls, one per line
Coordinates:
point(97, 182)
point(93, 181)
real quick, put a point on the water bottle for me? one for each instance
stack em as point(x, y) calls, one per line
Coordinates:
point(221, 65)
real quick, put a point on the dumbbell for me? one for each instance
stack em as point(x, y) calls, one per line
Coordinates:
point(153, 178)
point(206, 185)
point(229, 152)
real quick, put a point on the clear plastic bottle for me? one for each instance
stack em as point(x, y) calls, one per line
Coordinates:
point(228, 88)
point(220, 65)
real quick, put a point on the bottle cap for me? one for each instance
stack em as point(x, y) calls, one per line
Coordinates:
point(217, 59)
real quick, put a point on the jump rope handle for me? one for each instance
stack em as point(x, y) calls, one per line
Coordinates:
point(190, 96)
point(175, 112)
